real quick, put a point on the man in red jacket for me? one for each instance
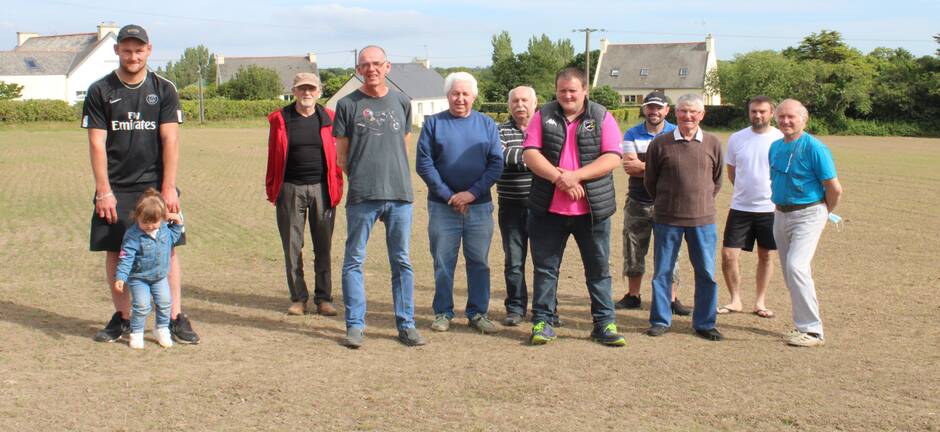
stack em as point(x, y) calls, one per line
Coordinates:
point(304, 183)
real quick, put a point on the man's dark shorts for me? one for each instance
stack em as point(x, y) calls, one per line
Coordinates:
point(743, 228)
point(108, 237)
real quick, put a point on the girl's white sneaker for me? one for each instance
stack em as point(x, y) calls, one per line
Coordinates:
point(137, 340)
point(163, 336)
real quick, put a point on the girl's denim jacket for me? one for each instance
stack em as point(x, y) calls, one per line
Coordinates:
point(144, 257)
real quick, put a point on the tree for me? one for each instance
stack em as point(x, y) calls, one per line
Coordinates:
point(186, 70)
point(333, 79)
point(826, 46)
point(10, 90)
point(578, 62)
point(606, 96)
point(937, 38)
point(253, 83)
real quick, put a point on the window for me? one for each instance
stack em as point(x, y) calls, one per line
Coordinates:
point(615, 72)
point(420, 108)
point(629, 98)
point(683, 72)
point(644, 72)
point(80, 95)
point(31, 63)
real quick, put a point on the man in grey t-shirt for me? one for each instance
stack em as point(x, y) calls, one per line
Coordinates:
point(371, 128)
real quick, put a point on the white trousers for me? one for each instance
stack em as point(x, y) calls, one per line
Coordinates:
point(797, 234)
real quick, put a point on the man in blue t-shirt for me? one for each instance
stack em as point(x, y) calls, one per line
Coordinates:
point(805, 190)
point(638, 210)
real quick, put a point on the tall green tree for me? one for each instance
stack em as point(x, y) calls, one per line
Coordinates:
point(186, 71)
point(10, 90)
point(252, 83)
point(578, 62)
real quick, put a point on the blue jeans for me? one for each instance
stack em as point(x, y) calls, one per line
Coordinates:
point(360, 218)
point(548, 234)
point(141, 291)
point(701, 241)
point(515, 234)
point(447, 229)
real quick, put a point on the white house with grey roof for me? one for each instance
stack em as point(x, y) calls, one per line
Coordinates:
point(59, 66)
point(416, 80)
point(634, 70)
point(285, 66)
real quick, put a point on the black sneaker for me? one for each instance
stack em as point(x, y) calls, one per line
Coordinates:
point(628, 302)
point(182, 330)
point(711, 334)
point(680, 309)
point(557, 321)
point(115, 328)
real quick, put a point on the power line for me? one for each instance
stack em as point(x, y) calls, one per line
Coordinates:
point(744, 36)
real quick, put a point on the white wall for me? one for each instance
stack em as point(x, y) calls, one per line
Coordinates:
point(421, 108)
point(98, 64)
point(39, 86)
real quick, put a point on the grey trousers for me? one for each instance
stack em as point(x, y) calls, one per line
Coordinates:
point(797, 234)
point(297, 204)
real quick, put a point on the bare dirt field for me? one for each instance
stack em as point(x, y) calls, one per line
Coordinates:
point(258, 369)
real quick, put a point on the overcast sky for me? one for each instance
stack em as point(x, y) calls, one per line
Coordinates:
point(458, 32)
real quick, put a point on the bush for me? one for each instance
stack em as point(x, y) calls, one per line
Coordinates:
point(494, 107)
point(32, 110)
point(226, 109)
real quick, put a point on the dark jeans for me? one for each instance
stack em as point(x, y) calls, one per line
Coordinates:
point(548, 235)
point(296, 205)
point(512, 227)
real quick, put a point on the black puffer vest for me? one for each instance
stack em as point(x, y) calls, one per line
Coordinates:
point(600, 192)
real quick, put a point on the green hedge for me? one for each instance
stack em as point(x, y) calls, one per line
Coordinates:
point(225, 109)
point(33, 110)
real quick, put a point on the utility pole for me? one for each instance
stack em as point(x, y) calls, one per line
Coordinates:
point(587, 52)
point(202, 106)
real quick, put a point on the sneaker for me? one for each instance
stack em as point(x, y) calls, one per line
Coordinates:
point(137, 340)
point(115, 328)
point(182, 330)
point(557, 322)
point(297, 308)
point(482, 324)
point(354, 338)
point(656, 331)
point(680, 309)
point(162, 334)
point(542, 333)
point(410, 337)
point(629, 302)
point(512, 320)
point(806, 340)
point(608, 335)
point(711, 334)
point(441, 323)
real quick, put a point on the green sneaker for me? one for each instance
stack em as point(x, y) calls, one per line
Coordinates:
point(441, 323)
point(542, 333)
point(608, 335)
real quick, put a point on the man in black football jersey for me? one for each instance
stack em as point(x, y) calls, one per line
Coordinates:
point(132, 116)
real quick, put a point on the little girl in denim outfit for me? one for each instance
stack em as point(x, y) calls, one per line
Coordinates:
point(144, 263)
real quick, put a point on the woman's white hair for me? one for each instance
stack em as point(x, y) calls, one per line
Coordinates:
point(460, 76)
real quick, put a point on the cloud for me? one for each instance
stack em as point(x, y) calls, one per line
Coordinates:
point(363, 23)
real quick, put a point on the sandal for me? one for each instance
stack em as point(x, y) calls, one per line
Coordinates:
point(726, 310)
point(764, 313)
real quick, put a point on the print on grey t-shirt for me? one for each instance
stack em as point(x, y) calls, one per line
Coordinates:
point(376, 162)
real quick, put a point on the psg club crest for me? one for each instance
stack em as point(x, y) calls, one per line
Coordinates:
point(152, 99)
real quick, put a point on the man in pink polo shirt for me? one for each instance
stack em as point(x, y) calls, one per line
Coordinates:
point(572, 146)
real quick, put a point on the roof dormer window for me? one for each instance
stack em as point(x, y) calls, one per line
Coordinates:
point(683, 71)
point(615, 72)
point(644, 71)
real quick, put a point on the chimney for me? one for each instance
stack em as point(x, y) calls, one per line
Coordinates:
point(424, 62)
point(709, 43)
point(604, 44)
point(219, 59)
point(106, 27)
point(311, 57)
point(22, 37)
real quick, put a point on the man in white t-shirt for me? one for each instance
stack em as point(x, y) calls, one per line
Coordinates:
point(751, 216)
